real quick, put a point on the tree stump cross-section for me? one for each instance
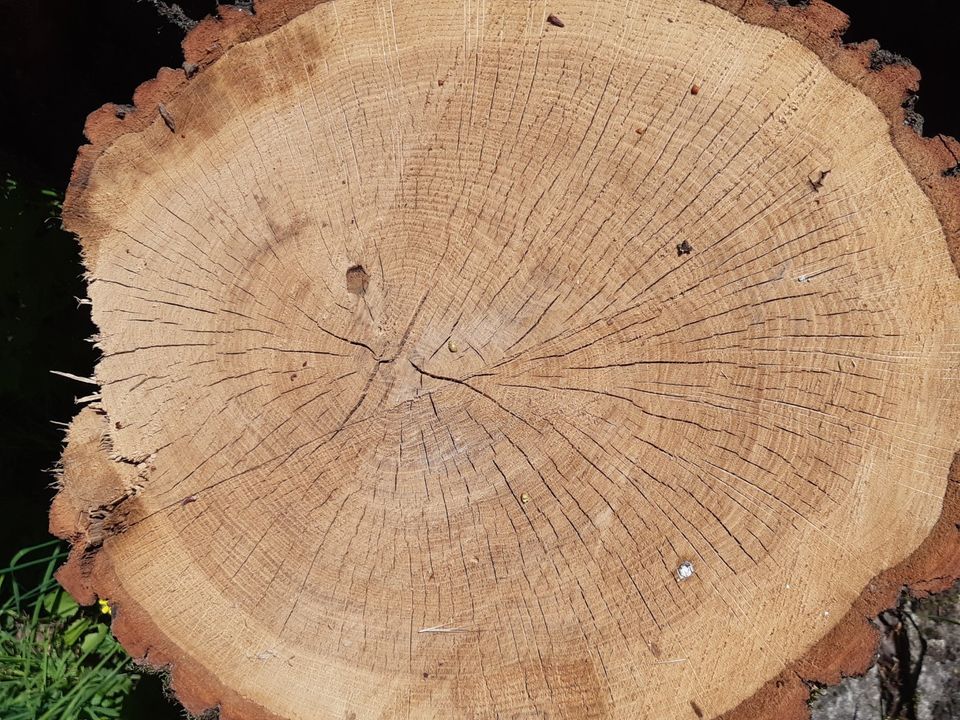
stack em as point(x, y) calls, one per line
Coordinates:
point(509, 360)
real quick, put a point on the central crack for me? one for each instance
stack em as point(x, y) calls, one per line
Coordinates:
point(481, 393)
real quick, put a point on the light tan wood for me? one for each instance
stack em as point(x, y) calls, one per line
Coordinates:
point(437, 338)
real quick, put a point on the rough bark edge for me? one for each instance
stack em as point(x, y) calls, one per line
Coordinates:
point(88, 517)
point(202, 46)
point(848, 649)
point(88, 573)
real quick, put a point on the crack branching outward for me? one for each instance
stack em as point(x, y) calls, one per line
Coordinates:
point(356, 343)
point(464, 383)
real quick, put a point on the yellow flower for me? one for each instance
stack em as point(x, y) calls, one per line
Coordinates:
point(104, 606)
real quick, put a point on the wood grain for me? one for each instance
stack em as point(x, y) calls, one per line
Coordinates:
point(460, 330)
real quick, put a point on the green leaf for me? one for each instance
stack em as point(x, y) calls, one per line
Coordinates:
point(60, 604)
point(57, 661)
point(77, 628)
point(92, 641)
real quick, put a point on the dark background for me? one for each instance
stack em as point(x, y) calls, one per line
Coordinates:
point(59, 60)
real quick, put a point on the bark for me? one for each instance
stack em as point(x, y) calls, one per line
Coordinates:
point(501, 361)
point(921, 637)
point(174, 14)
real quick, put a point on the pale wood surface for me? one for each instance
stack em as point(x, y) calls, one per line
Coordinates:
point(648, 288)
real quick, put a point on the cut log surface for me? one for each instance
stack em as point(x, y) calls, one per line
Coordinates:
point(501, 360)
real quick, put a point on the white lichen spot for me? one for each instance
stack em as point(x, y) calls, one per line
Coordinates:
point(685, 571)
point(452, 346)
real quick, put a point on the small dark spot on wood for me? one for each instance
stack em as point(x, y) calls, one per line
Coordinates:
point(684, 248)
point(117, 425)
point(952, 172)
point(187, 500)
point(555, 21)
point(440, 83)
point(694, 89)
point(190, 69)
point(122, 111)
point(304, 364)
point(167, 118)
point(655, 649)
point(696, 709)
point(357, 280)
point(293, 377)
point(818, 182)
point(426, 675)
